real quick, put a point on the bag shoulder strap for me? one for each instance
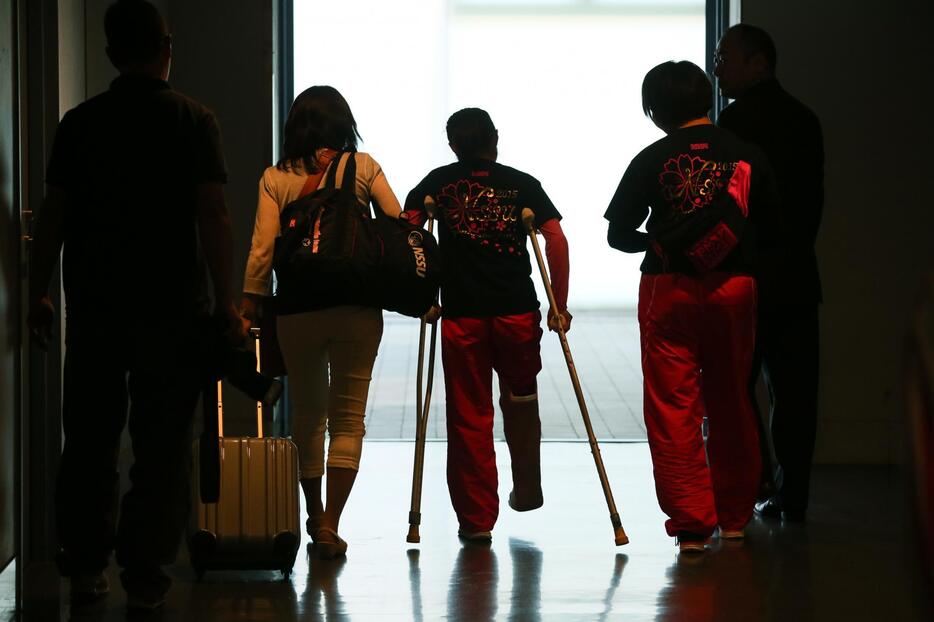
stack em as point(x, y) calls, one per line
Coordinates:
point(349, 181)
point(313, 180)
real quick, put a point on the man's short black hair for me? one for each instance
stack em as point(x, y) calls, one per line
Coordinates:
point(470, 132)
point(753, 40)
point(674, 93)
point(135, 31)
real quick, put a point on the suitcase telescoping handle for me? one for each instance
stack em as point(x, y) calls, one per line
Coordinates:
point(255, 333)
point(209, 448)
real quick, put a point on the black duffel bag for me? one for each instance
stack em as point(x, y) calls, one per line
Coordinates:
point(408, 274)
point(330, 253)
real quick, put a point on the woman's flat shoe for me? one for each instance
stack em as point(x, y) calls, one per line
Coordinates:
point(328, 544)
point(312, 525)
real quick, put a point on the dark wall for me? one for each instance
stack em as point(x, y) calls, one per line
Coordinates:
point(223, 58)
point(9, 287)
point(864, 68)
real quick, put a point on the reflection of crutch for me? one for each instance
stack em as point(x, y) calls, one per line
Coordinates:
point(528, 217)
point(421, 422)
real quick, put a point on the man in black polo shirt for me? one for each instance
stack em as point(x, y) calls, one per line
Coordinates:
point(789, 286)
point(491, 316)
point(135, 196)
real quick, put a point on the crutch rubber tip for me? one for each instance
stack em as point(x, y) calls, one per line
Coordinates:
point(621, 537)
point(413, 536)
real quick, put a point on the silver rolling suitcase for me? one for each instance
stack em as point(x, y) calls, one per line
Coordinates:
point(254, 523)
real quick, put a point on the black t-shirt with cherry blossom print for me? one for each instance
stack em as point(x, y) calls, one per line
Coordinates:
point(682, 174)
point(486, 265)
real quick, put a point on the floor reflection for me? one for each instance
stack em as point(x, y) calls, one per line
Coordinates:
point(473, 584)
point(321, 598)
point(766, 578)
point(559, 563)
point(618, 565)
point(526, 600)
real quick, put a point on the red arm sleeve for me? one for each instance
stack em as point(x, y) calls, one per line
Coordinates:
point(556, 252)
point(414, 216)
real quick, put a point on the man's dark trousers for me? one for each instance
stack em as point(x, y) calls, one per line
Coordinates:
point(787, 348)
point(156, 374)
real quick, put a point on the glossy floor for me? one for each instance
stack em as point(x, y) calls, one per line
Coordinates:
point(850, 562)
point(605, 345)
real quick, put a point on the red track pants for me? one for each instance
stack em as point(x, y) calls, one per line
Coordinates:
point(697, 344)
point(471, 348)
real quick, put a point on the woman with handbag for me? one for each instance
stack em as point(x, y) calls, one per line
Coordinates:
point(328, 349)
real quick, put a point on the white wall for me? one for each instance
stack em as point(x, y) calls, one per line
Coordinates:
point(865, 69)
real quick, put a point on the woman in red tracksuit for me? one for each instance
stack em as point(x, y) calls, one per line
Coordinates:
point(491, 316)
point(707, 194)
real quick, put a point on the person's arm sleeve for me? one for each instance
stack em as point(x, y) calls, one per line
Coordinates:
point(214, 232)
point(414, 209)
point(47, 242)
point(811, 183)
point(49, 232)
point(61, 166)
point(380, 193)
point(765, 207)
point(556, 252)
point(210, 166)
point(544, 209)
point(628, 209)
point(265, 232)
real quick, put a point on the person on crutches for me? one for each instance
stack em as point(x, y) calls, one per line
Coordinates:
point(491, 316)
point(707, 195)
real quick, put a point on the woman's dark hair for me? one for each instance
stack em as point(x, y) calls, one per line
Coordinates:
point(135, 31)
point(319, 118)
point(470, 132)
point(676, 92)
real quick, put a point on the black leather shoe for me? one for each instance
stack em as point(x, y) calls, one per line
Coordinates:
point(770, 508)
point(773, 508)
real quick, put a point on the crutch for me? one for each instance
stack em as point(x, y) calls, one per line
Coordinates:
point(421, 411)
point(528, 218)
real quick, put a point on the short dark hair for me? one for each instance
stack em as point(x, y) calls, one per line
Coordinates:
point(135, 31)
point(319, 118)
point(470, 132)
point(753, 40)
point(676, 92)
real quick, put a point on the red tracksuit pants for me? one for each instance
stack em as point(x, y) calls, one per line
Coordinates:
point(697, 345)
point(471, 349)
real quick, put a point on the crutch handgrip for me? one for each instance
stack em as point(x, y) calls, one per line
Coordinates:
point(528, 219)
point(430, 206)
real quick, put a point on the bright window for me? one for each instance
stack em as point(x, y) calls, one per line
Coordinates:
point(561, 79)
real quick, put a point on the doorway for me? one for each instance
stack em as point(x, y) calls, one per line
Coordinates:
point(561, 80)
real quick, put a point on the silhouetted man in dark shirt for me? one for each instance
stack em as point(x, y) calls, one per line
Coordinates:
point(789, 285)
point(135, 197)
